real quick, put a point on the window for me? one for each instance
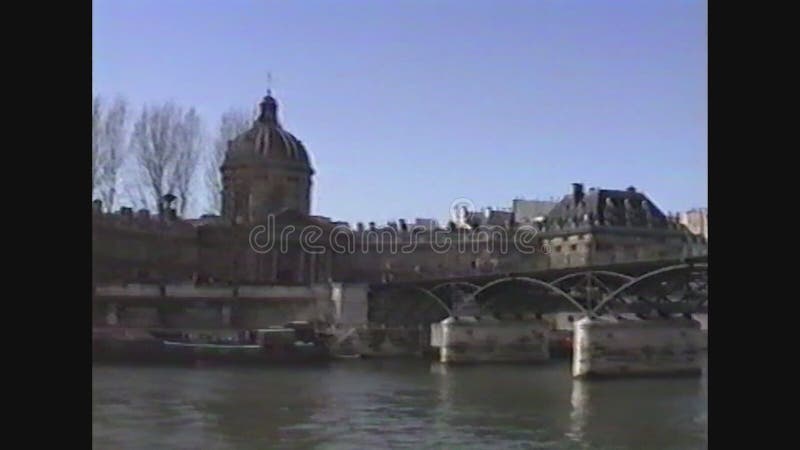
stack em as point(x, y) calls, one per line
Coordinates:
point(573, 247)
point(558, 249)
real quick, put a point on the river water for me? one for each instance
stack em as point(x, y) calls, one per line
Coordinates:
point(392, 404)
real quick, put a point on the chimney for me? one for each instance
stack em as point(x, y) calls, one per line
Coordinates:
point(577, 192)
point(360, 226)
point(165, 205)
point(403, 225)
point(143, 214)
point(631, 189)
point(372, 226)
point(97, 206)
point(126, 212)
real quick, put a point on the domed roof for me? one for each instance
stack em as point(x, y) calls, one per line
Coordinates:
point(267, 141)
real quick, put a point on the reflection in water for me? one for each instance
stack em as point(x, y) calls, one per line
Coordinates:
point(701, 419)
point(444, 386)
point(382, 404)
point(658, 413)
point(580, 410)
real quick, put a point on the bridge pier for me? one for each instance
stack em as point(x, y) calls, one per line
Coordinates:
point(471, 340)
point(112, 317)
point(611, 347)
point(226, 313)
point(380, 341)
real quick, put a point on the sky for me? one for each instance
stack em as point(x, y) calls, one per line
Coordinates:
point(406, 106)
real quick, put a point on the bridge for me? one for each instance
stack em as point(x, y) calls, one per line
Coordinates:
point(645, 288)
point(624, 319)
point(498, 317)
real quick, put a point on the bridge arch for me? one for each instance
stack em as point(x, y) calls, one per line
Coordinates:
point(427, 293)
point(590, 286)
point(570, 276)
point(648, 276)
point(534, 282)
point(475, 287)
point(459, 295)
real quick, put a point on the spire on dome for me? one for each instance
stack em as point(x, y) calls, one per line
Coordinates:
point(269, 110)
point(269, 106)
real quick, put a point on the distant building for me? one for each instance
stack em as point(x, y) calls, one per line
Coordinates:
point(486, 216)
point(521, 212)
point(499, 218)
point(266, 169)
point(427, 224)
point(528, 211)
point(605, 226)
point(267, 181)
point(696, 220)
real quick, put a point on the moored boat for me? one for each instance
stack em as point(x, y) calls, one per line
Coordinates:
point(295, 342)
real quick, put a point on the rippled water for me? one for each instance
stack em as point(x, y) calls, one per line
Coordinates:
point(392, 404)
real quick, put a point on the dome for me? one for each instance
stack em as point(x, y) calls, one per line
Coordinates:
point(267, 141)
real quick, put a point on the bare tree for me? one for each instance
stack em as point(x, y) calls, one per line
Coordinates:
point(166, 140)
point(232, 123)
point(189, 139)
point(113, 137)
point(97, 127)
point(136, 194)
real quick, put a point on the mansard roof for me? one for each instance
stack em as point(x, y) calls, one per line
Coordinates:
point(608, 207)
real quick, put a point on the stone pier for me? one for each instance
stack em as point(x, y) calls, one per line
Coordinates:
point(610, 347)
point(471, 339)
point(376, 341)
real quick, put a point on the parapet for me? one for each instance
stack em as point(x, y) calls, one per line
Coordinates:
point(141, 221)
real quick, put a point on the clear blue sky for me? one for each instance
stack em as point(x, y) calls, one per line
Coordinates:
point(408, 105)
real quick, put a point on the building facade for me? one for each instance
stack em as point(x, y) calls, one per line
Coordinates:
point(530, 211)
point(604, 226)
point(266, 169)
point(267, 235)
point(696, 220)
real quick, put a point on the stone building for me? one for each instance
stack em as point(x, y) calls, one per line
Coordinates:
point(696, 220)
point(140, 246)
point(530, 211)
point(604, 226)
point(266, 169)
point(267, 235)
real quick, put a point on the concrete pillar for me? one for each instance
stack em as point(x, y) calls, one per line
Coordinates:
point(351, 304)
point(226, 314)
point(611, 347)
point(112, 317)
point(467, 339)
point(274, 265)
point(329, 266)
point(301, 269)
point(312, 269)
